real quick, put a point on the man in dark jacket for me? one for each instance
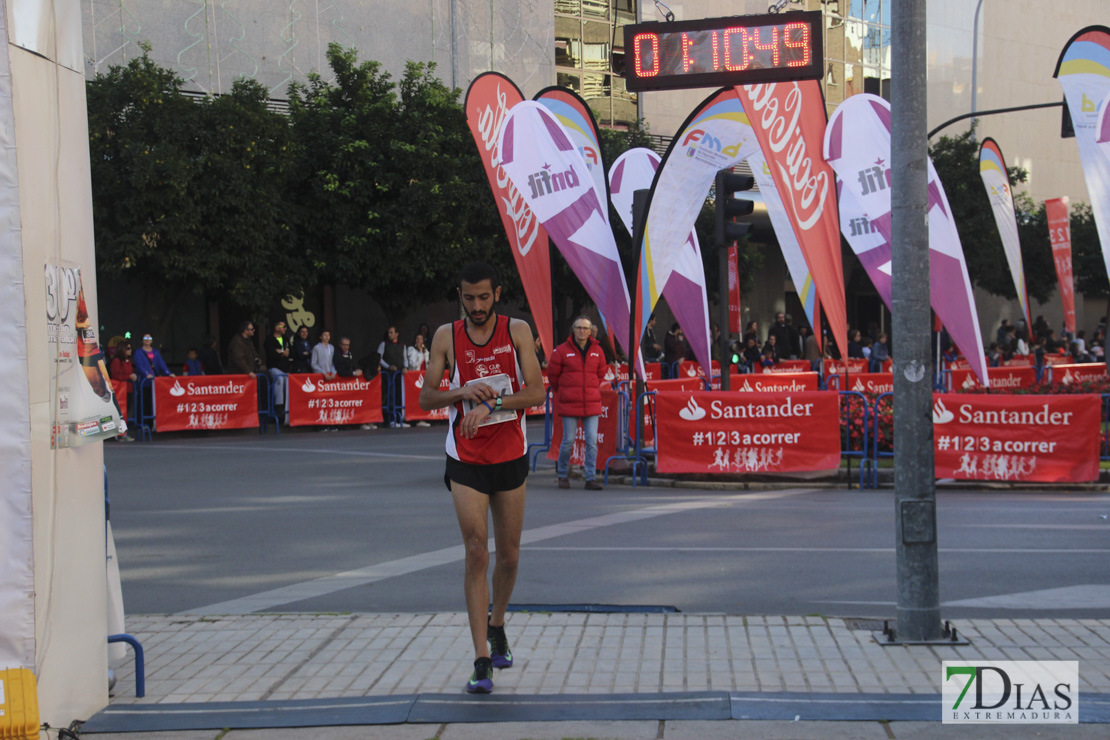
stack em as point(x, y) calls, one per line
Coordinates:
point(279, 360)
point(242, 357)
point(576, 371)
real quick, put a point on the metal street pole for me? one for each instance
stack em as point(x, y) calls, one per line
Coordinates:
point(722, 316)
point(918, 613)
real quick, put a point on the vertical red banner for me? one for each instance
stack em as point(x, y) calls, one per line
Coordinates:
point(733, 291)
point(1059, 231)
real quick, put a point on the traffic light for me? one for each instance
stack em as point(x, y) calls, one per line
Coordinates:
point(729, 207)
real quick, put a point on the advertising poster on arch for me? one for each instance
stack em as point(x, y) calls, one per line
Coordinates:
point(84, 410)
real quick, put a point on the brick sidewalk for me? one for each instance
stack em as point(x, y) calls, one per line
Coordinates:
point(277, 657)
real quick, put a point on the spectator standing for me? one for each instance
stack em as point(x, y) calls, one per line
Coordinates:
point(148, 361)
point(302, 351)
point(880, 353)
point(576, 372)
point(345, 367)
point(417, 356)
point(323, 356)
point(811, 351)
point(279, 360)
point(675, 346)
point(242, 355)
point(1021, 342)
point(209, 357)
point(122, 370)
point(192, 364)
point(781, 332)
point(795, 343)
point(771, 349)
point(752, 330)
point(752, 356)
point(855, 349)
point(392, 354)
point(653, 352)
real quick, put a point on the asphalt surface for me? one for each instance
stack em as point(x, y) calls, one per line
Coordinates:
point(212, 521)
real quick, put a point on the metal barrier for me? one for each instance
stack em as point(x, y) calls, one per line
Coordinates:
point(846, 450)
point(266, 411)
point(548, 430)
point(876, 453)
point(624, 439)
point(144, 408)
point(140, 662)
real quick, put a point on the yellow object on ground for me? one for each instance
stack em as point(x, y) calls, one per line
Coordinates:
point(19, 705)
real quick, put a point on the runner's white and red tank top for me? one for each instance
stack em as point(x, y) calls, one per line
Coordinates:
point(496, 443)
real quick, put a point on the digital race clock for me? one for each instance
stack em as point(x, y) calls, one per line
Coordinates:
point(716, 52)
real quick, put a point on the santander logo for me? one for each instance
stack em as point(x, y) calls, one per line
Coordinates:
point(691, 372)
point(808, 182)
point(308, 386)
point(941, 414)
point(177, 390)
point(420, 382)
point(692, 412)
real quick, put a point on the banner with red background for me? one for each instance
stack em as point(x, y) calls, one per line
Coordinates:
point(708, 432)
point(606, 434)
point(1044, 439)
point(205, 402)
point(785, 366)
point(120, 390)
point(313, 400)
point(874, 383)
point(414, 381)
point(1075, 374)
point(774, 382)
point(1008, 377)
point(853, 365)
point(1059, 233)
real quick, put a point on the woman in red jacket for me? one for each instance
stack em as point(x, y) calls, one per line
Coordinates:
point(576, 370)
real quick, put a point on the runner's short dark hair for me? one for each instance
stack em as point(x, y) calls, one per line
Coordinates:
point(476, 272)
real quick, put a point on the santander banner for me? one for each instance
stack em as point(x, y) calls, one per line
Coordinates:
point(873, 383)
point(313, 400)
point(1043, 439)
point(774, 382)
point(205, 402)
point(788, 119)
point(606, 434)
point(709, 432)
point(1059, 232)
point(1077, 374)
point(414, 381)
point(488, 101)
point(852, 365)
point(785, 366)
point(1009, 377)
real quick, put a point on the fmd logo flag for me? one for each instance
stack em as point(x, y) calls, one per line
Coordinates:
point(1027, 692)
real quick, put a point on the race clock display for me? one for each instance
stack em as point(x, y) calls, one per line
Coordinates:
point(716, 52)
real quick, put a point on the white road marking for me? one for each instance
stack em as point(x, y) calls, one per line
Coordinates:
point(269, 600)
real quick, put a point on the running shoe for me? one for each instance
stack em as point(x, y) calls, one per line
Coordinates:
point(481, 681)
point(500, 654)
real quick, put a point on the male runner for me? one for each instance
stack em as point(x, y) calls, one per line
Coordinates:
point(486, 465)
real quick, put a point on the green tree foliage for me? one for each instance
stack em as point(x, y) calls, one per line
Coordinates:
point(957, 163)
point(392, 195)
point(189, 197)
point(1088, 266)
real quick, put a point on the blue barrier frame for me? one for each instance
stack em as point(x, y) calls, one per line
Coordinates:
point(877, 454)
point(624, 439)
point(140, 661)
point(845, 448)
point(266, 411)
point(144, 417)
point(548, 430)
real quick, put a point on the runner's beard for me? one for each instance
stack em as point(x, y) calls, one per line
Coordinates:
point(486, 316)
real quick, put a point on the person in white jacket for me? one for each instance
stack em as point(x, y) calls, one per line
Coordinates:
point(417, 356)
point(323, 356)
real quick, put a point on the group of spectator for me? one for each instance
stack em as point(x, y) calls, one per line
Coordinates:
point(283, 352)
point(1020, 340)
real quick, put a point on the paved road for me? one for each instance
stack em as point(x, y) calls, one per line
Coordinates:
point(360, 521)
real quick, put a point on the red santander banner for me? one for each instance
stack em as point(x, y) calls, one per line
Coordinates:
point(689, 369)
point(852, 365)
point(785, 366)
point(1041, 439)
point(677, 384)
point(606, 434)
point(1076, 374)
point(713, 432)
point(874, 383)
point(205, 402)
point(1010, 377)
point(313, 400)
point(1059, 233)
point(414, 381)
point(774, 382)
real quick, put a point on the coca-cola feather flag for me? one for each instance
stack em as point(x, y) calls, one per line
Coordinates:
point(788, 120)
point(552, 177)
point(488, 101)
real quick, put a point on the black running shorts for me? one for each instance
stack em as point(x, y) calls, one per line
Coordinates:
point(488, 479)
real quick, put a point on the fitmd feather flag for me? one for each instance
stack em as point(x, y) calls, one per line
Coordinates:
point(857, 145)
point(488, 101)
point(992, 168)
point(1083, 70)
point(685, 292)
point(715, 136)
point(552, 177)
